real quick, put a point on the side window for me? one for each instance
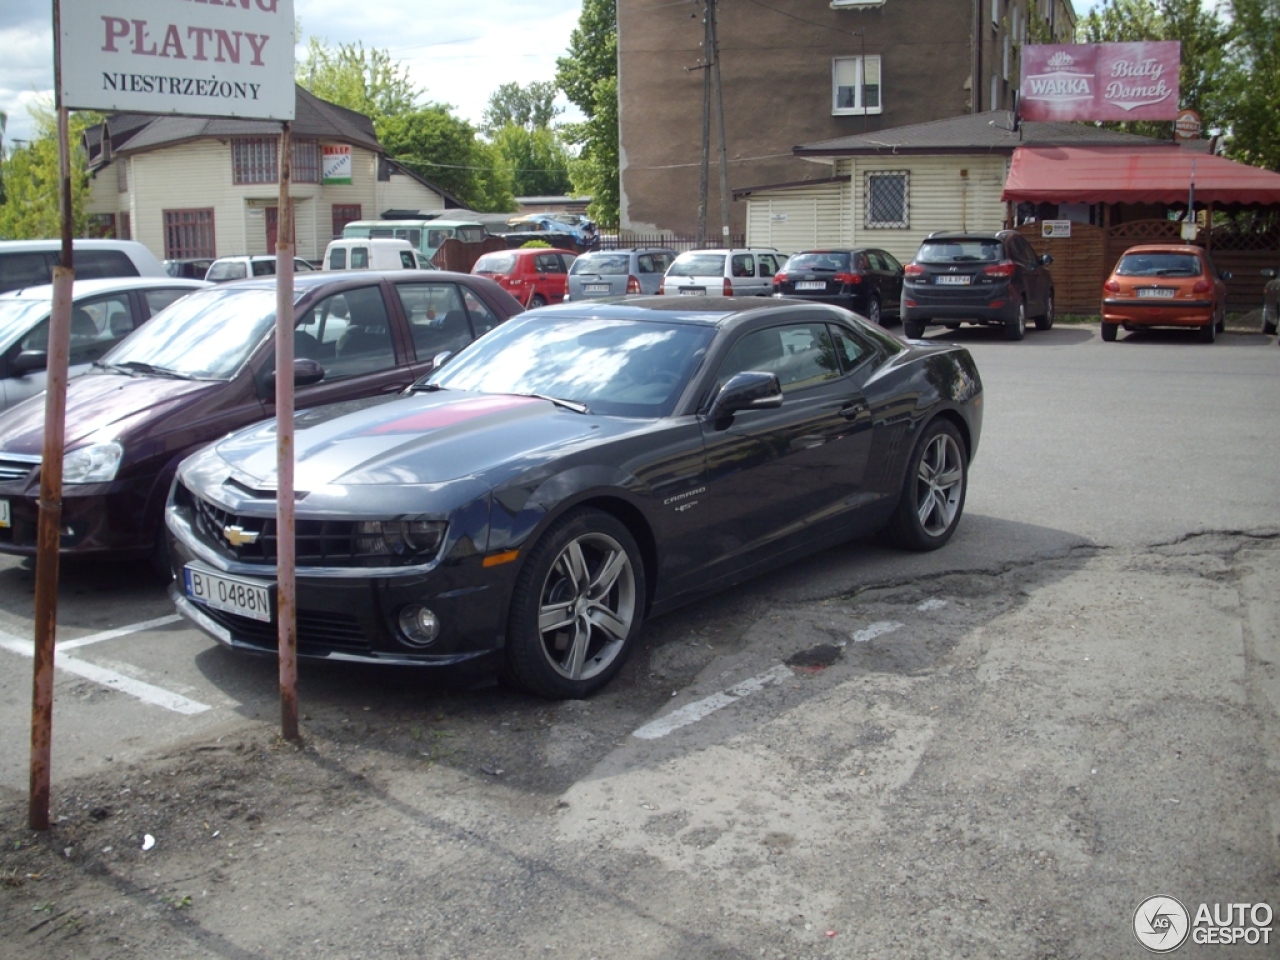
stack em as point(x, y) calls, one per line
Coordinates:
point(301, 266)
point(482, 318)
point(25, 270)
point(801, 355)
point(743, 265)
point(359, 258)
point(768, 265)
point(157, 300)
point(872, 258)
point(347, 333)
point(548, 263)
point(644, 263)
point(892, 265)
point(338, 259)
point(850, 350)
point(406, 259)
point(92, 264)
point(662, 261)
point(263, 268)
point(437, 318)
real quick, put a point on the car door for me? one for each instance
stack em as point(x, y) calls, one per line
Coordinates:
point(888, 281)
point(438, 320)
point(777, 478)
point(1035, 274)
point(550, 276)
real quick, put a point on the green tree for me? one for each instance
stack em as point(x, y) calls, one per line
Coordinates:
point(1252, 83)
point(367, 81)
point(538, 163)
point(444, 149)
point(588, 75)
point(32, 180)
point(1204, 37)
point(531, 107)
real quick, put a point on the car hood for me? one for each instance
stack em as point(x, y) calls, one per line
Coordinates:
point(99, 405)
point(426, 438)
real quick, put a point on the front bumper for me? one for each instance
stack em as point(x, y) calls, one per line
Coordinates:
point(1169, 313)
point(97, 519)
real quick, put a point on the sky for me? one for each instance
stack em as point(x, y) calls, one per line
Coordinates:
point(458, 51)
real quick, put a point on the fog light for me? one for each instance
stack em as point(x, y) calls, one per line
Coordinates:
point(419, 626)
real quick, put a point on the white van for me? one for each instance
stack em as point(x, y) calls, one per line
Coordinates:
point(371, 253)
point(425, 235)
point(30, 263)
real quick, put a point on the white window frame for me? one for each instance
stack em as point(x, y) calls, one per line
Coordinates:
point(859, 87)
point(867, 222)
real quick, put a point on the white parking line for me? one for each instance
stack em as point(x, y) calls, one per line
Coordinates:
point(139, 689)
point(878, 629)
point(693, 712)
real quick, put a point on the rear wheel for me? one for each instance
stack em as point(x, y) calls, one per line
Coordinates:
point(1209, 332)
point(913, 329)
point(1268, 321)
point(933, 490)
point(1045, 320)
point(873, 311)
point(537, 300)
point(1016, 327)
point(1109, 331)
point(576, 608)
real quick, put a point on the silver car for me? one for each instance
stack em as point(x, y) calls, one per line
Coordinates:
point(615, 273)
point(723, 273)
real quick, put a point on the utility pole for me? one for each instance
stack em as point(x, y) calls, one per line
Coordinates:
point(706, 127)
point(724, 162)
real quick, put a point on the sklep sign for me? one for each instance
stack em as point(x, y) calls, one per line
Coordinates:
point(1100, 81)
point(225, 58)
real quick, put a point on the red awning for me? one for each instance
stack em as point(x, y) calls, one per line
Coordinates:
point(1126, 175)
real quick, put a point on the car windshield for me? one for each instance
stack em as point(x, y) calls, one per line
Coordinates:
point(208, 335)
point(227, 270)
point(1158, 265)
point(17, 316)
point(958, 251)
point(699, 265)
point(603, 264)
point(616, 368)
point(819, 262)
point(495, 263)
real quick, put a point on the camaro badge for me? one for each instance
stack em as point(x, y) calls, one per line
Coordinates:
point(238, 536)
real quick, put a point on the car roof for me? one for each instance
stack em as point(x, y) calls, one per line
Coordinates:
point(89, 288)
point(966, 235)
point(1165, 248)
point(303, 282)
point(708, 311)
point(733, 250)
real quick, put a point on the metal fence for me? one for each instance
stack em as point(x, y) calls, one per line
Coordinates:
point(672, 241)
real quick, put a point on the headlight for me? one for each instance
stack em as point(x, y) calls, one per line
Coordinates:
point(418, 539)
point(94, 464)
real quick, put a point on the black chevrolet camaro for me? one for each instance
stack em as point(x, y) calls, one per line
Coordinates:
point(580, 468)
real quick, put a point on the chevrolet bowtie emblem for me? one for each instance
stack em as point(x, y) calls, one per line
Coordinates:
point(238, 536)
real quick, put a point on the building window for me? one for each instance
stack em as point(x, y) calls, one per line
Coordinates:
point(102, 225)
point(188, 234)
point(254, 160)
point(306, 161)
point(855, 85)
point(344, 213)
point(886, 200)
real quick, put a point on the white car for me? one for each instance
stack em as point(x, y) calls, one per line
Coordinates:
point(374, 253)
point(722, 273)
point(258, 265)
point(103, 313)
point(30, 263)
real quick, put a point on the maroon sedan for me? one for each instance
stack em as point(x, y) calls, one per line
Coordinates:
point(205, 366)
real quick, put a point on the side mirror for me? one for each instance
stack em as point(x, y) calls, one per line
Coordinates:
point(1047, 259)
point(30, 360)
point(305, 373)
point(1226, 274)
point(1268, 272)
point(749, 390)
point(441, 358)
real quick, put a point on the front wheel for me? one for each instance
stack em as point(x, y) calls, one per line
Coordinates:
point(1045, 320)
point(913, 329)
point(1268, 321)
point(577, 607)
point(537, 300)
point(1016, 328)
point(1109, 331)
point(933, 490)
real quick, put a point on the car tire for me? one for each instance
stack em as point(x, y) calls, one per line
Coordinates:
point(1209, 332)
point(952, 326)
point(537, 300)
point(933, 490)
point(1109, 331)
point(1268, 323)
point(873, 312)
point(1045, 320)
point(913, 329)
point(1016, 327)
point(567, 638)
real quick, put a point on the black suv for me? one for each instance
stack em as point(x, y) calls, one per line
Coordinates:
point(991, 278)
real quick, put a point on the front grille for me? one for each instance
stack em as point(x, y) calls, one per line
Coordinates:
point(15, 466)
point(327, 630)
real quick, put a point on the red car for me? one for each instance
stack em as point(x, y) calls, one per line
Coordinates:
point(1165, 285)
point(535, 277)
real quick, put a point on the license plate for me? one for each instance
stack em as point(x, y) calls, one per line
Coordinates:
point(811, 285)
point(596, 287)
point(246, 598)
point(959, 279)
point(1160, 293)
point(4, 514)
point(693, 291)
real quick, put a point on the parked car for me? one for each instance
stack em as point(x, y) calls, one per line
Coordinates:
point(30, 263)
point(985, 278)
point(866, 281)
point(729, 273)
point(206, 365)
point(426, 235)
point(258, 265)
point(536, 276)
point(579, 469)
point(555, 224)
point(1165, 285)
point(188, 269)
point(374, 253)
point(616, 273)
point(1270, 301)
point(103, 312)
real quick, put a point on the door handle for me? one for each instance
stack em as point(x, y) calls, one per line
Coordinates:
point(854, 409)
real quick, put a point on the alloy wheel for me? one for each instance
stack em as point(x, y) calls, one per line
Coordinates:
point(939, 484)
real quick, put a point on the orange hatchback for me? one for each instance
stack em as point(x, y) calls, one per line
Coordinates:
point(1165, 285)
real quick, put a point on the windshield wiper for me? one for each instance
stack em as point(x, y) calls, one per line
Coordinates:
point(140, 367)
point(573, 405)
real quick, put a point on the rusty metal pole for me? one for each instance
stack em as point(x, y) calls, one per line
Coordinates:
point(49, 525)
point(286, 571)
point(719, 91)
